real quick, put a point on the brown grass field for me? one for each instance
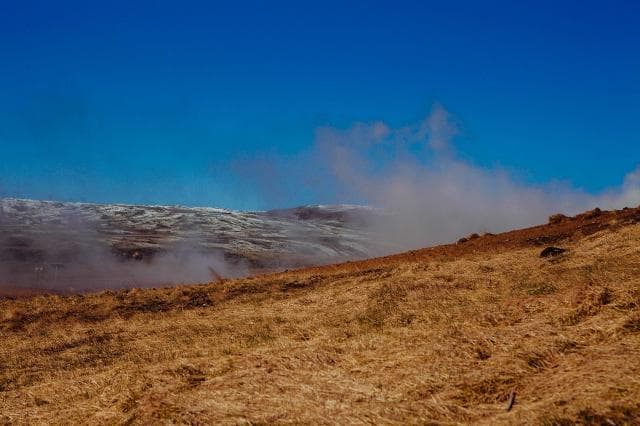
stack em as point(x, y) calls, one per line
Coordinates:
point(446, 335)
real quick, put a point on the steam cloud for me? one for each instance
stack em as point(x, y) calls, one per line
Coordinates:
point(68, 253)
point(432, 196)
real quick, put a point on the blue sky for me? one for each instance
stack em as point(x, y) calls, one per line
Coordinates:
point(145, 102)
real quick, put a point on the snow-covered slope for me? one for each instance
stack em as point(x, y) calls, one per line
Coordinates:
point(44, 243)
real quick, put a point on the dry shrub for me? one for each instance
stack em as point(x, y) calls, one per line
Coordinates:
point(632, 325)
point(595, 300)
point(488, 390)
point(612, 415)
point(536, 288)
point(557, 218)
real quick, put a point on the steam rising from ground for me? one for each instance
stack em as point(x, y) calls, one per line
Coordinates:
point(178, 265)
point(101, 269)
point(432, 195)
point(67, 252)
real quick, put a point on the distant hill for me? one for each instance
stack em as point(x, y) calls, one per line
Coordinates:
point(77, 245)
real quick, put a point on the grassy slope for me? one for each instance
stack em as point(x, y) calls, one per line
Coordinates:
point(441, 335)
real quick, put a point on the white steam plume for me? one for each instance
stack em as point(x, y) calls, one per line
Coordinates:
point(433, 195)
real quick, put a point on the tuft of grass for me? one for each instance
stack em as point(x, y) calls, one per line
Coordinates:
point(557, 218)
point(632, 325)
point(383, 303)
point(541, 289)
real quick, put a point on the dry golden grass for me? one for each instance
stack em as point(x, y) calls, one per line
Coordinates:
point(419, 338)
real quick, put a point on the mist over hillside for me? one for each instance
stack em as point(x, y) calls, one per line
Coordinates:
point(67, 246)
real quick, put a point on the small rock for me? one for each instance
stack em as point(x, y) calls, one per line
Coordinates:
point(552, 252)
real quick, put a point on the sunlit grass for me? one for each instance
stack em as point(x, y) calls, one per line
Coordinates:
point(410, 339)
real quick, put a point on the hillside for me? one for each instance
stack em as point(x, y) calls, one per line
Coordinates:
point(445, 335)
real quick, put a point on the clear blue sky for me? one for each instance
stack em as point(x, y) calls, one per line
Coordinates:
point(129, 101)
